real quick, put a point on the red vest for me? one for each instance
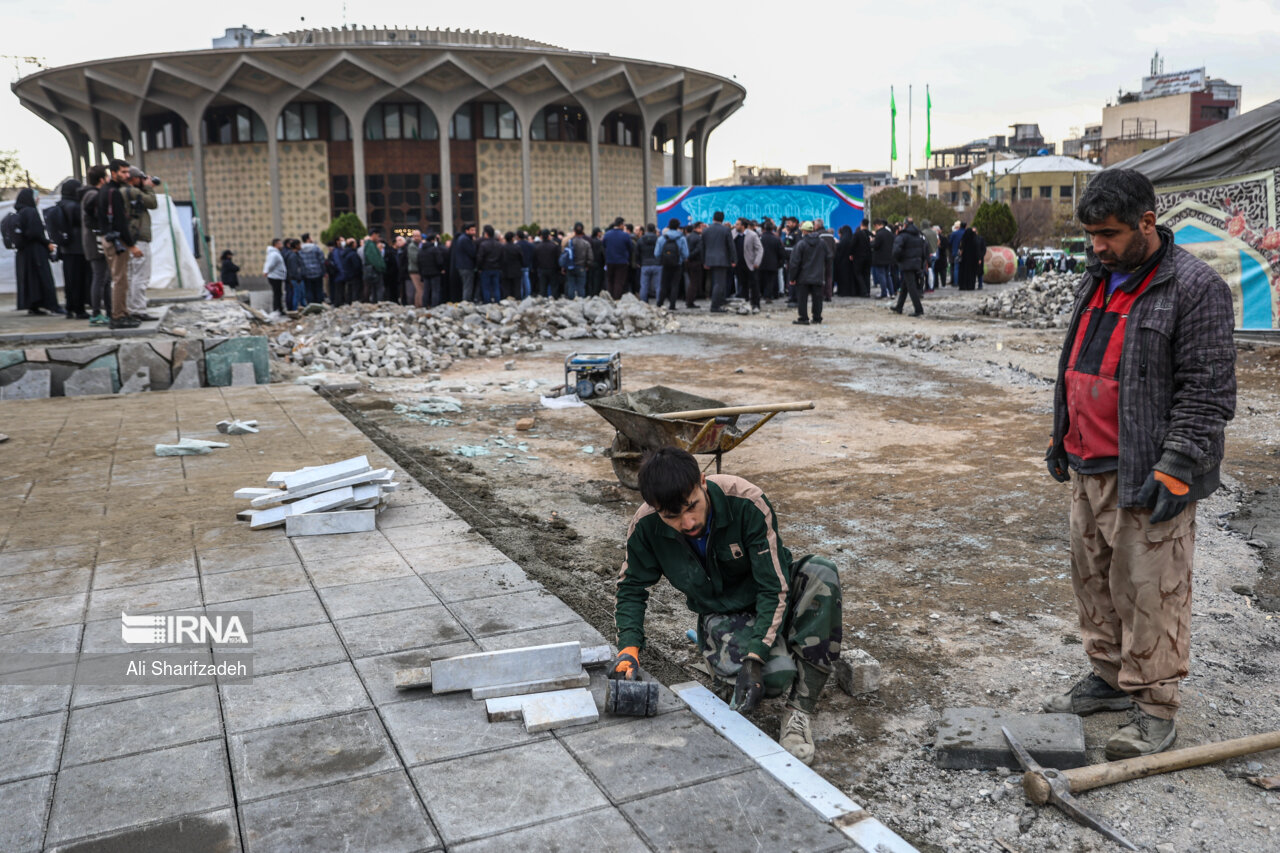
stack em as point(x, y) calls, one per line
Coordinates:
point(1092, 378)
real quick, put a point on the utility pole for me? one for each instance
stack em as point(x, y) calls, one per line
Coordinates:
point(910, 174)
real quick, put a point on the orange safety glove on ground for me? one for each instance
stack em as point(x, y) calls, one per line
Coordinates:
point(1165, 494)
point(626, 664)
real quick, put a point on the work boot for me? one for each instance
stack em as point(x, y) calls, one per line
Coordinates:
point(1142, 734)
point(797, 736)
point(1088, 696)
point(125, 322)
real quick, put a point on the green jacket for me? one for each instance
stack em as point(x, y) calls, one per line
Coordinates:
point(373, 257)
point(141, 201)
point(748, 568)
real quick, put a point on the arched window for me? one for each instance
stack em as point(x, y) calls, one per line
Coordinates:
point(226, 125)
point(559, 123)
point(400, 121)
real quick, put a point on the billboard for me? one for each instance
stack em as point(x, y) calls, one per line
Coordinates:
point(835, 205)
point(1173, 83)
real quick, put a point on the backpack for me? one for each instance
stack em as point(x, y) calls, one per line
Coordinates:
point(566, 258)
point(11, 230)
point(55, 223)
point(671, 252)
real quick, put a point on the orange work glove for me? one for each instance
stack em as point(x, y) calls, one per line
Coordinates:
point(1165, 494)
point(626, 664)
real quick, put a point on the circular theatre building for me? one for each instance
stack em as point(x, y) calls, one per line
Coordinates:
point(276, 135)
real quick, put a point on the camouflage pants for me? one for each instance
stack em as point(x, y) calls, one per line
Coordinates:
point(1133, 590)
point(806, 648)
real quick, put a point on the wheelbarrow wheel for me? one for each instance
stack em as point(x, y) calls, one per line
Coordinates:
point(626, 461)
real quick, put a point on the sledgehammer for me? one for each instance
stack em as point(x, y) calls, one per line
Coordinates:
point(1042, 786)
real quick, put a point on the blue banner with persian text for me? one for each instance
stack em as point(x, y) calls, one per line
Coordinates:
point(835, 205)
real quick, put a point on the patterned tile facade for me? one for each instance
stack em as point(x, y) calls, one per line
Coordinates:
point(498, 174)
point(561, 177)
point(621, 184)
point(304, 188)
point(238, 195)
point(173, 166)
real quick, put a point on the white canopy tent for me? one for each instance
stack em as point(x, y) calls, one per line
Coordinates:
point(172, 263)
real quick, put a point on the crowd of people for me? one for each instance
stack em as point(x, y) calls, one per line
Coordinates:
point(100, 231)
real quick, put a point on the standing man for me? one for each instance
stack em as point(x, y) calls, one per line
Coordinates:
point(650, 268)
point(882, 258)
point(909, 250)
point(489, 262)
point(1146, 385)
point(117, 243)
point(752, 256)
point(546, 260)
point(526, 263)
point(953, 248)
point(463, 260)
point(312, 257)
point(64, 221)
point(806, 271)
point(100, 289)
point(940, 263)
point(718, 257)
point(767, 624)
point(617, 258)
point(829, 244)
point(931, 240)
point(774, 259)
point(141, 198)
point(694, 272)
point(276, 272)
point(672, 250)
point(862, 260)
point(580, 252)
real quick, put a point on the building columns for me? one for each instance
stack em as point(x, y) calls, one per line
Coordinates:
point(678, 177)
point(446, 180)
point(593, 136)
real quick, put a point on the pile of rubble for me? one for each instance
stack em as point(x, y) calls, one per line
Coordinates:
point(392, 340)
point(1043, 303)
point(209, 318)
point(343, 497)
point(927, 343)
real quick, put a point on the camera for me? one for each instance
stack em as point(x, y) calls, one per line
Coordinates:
point(113, 237)
point(153, 179)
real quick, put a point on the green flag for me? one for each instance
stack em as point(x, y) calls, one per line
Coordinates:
point(928, 125)
point(893, 127)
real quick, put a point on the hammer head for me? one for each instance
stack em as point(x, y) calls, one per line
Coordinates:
point(1051, 786)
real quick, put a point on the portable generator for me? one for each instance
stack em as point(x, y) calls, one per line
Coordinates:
point(592, 374)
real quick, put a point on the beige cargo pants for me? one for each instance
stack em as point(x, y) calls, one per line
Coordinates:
point(1133, 589)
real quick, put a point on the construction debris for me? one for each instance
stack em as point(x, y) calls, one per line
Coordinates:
point(342, 497)
point(1045, 302)
point(236, 427)
point(857, 672)
point(393, 340)
point(970, 738)
point(189, 447)
point(922, 341)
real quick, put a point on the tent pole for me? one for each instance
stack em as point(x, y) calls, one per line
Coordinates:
point(173, 239)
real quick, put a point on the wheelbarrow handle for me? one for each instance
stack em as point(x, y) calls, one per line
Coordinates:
point(698, 414)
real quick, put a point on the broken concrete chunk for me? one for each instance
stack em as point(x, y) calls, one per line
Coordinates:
point(237, 427)
point(189, 447)
point(525, 424)
point(857, 672)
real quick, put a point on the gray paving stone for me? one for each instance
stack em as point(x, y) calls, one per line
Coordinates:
point(750, 808)
point(456, 555)
point(136, 572)
point(177, 594)
point(32, 385)
point(368, 544)
point(42, 613)
point(480, 581)
point(398, 630)
point(60, 640)
point(294, 648)
point(136, 356)
point(111, 795)
point(279, 759)
point(21, 700)
point(437, 727)
point(378, 673)
point(43, 584)
point(80, 355)
point(290, 696)
point(534, 783)
point(362, 599)
point(486, 669)
point(212, 832)
point(254, 583)
point(652, 754)
point(276, 552)
point(970, 738)
point(428, 534)
point(31, 746)
point(22, 809)
point(516, 611)
point(601, 830)
point(87, 382)
point(138, 380)
point(380, 565)
point(330, 523)
point(138, 725)
point(403, 514)
point(580, 631)
point(288, 610)
point(42, 559)
point(378, 813)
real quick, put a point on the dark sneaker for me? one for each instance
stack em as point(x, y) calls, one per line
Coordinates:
point(1142, 734)
point(1088, 696)
point(125, 322)
point(145, 318)
point(800, 322)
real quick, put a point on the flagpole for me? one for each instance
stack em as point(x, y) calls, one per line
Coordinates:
point(910, 175)
point(893, 132)
point(928, 137)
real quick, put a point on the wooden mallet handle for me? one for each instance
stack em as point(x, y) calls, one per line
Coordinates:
point(1101, 775)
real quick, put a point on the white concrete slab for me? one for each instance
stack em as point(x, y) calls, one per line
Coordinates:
point(267, 517)
point(325, 473)
point(737, 728)
point(251, 493)
point(596, 655)
point(545, 711)
point(819, 794)
point(873, 836)
point(485, 669)
point(284, 495)
point(325, 523)
point(321, 502)
point(523, 688)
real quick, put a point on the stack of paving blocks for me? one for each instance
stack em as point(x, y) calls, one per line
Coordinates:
point(343, 497)
point(543, 685)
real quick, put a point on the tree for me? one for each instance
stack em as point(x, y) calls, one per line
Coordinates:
point(11, 172)
point(895, 205)
point(994, 221)
point(345, 225)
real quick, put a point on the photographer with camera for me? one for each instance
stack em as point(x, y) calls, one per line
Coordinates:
point(118, 244)
point(141, 196)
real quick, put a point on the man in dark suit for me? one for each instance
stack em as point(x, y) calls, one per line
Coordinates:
point(862, 260)
point(719, 257)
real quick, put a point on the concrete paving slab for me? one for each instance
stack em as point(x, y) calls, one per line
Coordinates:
point(31, 746)
point(486, 669)
point(179, 594)
point(428, 534)
point(275, 552)
point(601, 830)
point(18, 700)
point(294, 648)
point(378, 673)
point(147, 571)
point(653, 754)
point(970, 738)
point(750, 808)
point(533, 783)
point(291, 696)
point(142, 724)
point(279, 759)
point(515, 611)
point(287, 610)
point(372, 544)
point(381, 565)
point(14, 562)
point(480, 581)
point(254, 583)
point(363, 599)
point(524, 688)
point(579, 631)
point(212, 832)
point(42, 613)
point(43, 584)
point(455, 555)
point(401, 629)
point(542, 712)
point(403, 514)
point(432, 728)
point(23, 806)
point(111, 795)
point(330, 523)
point(60, 640)
point(376, 813)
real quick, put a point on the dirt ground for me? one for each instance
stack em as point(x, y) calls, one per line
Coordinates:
point(920, 474)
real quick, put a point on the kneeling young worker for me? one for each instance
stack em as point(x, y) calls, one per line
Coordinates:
point(766, 624)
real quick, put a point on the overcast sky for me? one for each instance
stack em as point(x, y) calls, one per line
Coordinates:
point(817, 79)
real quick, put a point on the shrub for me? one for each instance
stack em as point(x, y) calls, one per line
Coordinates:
point(994, 221)
point(346, 225)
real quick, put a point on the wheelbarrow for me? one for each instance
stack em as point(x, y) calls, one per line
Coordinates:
point(664, 417)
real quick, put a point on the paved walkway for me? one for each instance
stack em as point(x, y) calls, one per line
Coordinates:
point(319, 752)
